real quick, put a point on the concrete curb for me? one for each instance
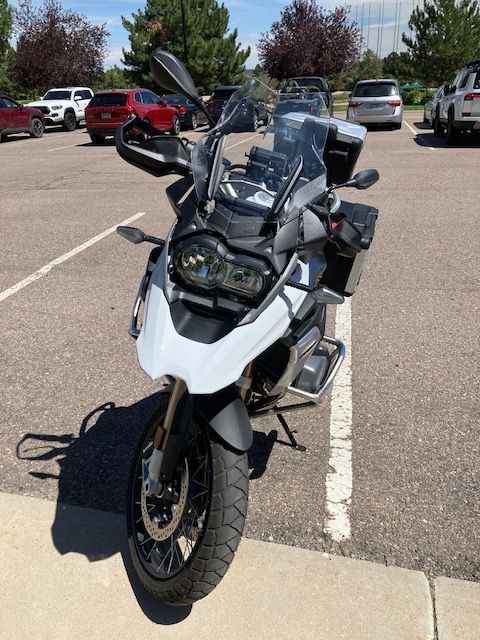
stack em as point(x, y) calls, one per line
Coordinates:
point(66, 571)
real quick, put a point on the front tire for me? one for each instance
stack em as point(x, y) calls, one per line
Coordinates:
point(188, 564)
point(254, 124)
point(194, 121)
point(69, 121)
point(437, 127)
point(36, 128)
point(175, 130)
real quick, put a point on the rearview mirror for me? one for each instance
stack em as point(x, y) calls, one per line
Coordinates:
point(132, 234)
point(364, 179)
point(171, 74)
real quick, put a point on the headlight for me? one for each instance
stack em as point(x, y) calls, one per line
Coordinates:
point(57, 106)
point(206, 268)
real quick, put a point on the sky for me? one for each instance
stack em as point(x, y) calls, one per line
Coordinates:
point(249, 17)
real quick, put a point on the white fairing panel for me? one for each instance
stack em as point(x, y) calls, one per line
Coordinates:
point(207, 368)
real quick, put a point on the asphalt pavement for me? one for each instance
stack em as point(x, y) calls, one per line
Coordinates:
point(74, 398)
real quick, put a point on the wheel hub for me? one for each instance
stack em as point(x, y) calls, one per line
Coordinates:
point(161, 521)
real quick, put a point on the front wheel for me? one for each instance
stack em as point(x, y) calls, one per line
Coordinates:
point(70, 121)
point(36, 128)
point(437, 126)
point(175, 130)
point(183, 541)
point(254, 123)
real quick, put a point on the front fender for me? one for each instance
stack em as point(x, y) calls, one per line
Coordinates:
point(227, 415)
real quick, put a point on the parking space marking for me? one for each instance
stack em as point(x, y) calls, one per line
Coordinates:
point(414, 131)
point(77, 144)
point(243, 141)
point(339, 482)
point(66, 256)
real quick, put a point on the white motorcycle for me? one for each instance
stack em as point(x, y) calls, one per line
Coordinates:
point(231, 312)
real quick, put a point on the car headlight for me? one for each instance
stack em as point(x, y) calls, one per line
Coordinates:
point(206, 268)
point(57, 106)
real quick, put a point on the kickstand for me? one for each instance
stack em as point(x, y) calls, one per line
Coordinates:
point(290, 434)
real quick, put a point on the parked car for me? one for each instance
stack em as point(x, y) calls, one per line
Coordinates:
point(376, 102)
point(111, 108)
point(16, 118)
point(190, 116)
point(431, 106)
point(255, 111)
point(311, 83)
point(64, 106)
point(219, 99)
point(459, 108)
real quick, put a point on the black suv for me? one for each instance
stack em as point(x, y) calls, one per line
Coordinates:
point(310, 83)
point(255, 113)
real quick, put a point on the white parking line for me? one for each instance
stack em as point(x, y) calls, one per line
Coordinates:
point(66, 256)
point(242, 141)
point(339, 478)
point(414, 131)
point(77, 144)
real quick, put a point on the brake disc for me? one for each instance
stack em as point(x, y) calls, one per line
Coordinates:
point(157, 529)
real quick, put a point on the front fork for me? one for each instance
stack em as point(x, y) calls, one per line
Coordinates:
point(152, 466)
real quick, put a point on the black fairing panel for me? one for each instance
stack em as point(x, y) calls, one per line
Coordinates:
point(227, 415)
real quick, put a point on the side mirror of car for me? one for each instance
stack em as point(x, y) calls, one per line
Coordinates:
point(164, 103)
point(446, 89)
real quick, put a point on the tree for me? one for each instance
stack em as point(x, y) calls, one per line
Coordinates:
point(308, 40)
point(398, 66)
point(445, 36)
point(369, 66)
point(116, 77)
point(56, 47)
point(6, 21)
point(213, 56)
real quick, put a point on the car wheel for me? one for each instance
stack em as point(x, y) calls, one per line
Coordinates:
point(437, 127)
point(452, 133)
point(254, 125)
point(96, 138)
point(69, 121)
point(36, 128)
point(175, 130)
point(194, 122)
point(397, 125)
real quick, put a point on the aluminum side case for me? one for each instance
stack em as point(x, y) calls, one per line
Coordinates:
point(207, 368)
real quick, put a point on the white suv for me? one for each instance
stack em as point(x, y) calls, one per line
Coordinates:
point(459, 109)
point(64, 106)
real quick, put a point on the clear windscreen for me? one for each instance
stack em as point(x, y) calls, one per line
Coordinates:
point(264, 148)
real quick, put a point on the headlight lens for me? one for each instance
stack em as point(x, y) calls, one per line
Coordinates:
point(205, 267)
point(57, 106)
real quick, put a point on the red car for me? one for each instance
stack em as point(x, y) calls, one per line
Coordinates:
point(15, 118)
point(108, 110)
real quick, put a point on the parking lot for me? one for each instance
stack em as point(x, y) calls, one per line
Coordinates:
point(74, 398)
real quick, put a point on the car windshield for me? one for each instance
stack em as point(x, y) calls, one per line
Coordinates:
point(109, 100)
point(305, 82)
point(176, 100)
point(57, 95)
point(375, 90)
point(223, 94)
point(287, 152)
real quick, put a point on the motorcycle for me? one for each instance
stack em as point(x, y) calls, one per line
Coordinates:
point(231, 313)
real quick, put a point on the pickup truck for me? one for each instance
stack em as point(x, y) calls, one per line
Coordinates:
point(64, 107)
point(310, 83)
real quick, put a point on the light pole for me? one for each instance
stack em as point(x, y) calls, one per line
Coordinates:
point(185, 49)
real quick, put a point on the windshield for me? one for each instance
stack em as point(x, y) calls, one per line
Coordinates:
point(265, 147)
point(375, 90)
point(57, 95)
point(109, 100)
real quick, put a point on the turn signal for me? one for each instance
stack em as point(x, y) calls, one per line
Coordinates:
point(395, 103)
point(354, 105)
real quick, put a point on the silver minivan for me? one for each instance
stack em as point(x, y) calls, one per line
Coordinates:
point(376, 102)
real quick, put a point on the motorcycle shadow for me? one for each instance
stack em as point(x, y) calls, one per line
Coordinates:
point(93, 469)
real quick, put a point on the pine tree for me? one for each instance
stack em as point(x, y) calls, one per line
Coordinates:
point(6, 19)
point(445, 36)
point(213, 56)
